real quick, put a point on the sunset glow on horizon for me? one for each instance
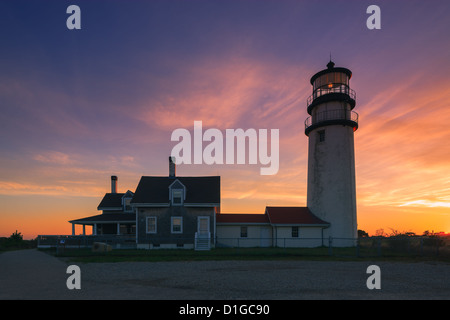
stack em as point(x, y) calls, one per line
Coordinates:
point(78, 106)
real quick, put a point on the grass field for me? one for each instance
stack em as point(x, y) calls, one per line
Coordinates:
point(322, 253)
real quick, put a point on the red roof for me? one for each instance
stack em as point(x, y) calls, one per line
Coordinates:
point(292, 215)
point(274, 216)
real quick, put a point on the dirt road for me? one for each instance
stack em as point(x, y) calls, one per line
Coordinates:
point(31, 274)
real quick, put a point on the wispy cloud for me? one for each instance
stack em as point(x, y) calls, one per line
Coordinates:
point(53, 157)
point(225, 94)
point(401, 154)
point(64, 189)
point(426, 203)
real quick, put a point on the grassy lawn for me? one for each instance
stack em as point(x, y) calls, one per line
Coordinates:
point(322, 254)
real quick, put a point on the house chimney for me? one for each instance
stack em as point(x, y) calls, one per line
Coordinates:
point(172, 167)
point(113, 184)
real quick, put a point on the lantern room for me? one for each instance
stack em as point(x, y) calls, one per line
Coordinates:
point(332, 100)
point(331, 84)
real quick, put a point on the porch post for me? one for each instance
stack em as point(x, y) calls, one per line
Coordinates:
point(118, 228)
point(73, 229)
point(84, 229)
point(95, 229)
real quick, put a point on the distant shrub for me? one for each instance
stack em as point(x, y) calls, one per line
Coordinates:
point(15, 241)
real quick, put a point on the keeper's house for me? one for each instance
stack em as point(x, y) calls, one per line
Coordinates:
point(176, 212)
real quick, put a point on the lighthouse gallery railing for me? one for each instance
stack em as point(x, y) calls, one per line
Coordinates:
point(336, 88)
point(331, 115)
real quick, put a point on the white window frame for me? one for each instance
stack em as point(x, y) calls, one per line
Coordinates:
point(172, 225)
point(156, 225)
point(125, 205)
point(181, 197)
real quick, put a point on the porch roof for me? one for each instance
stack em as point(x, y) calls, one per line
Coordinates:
point(107, 218)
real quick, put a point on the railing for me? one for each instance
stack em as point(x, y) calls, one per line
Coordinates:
point(356, 247)
point(68, 241)
point(202, 241)
point(331, 115)
point(335, 89)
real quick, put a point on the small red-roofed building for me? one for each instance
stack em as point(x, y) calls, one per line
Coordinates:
point(278, 227)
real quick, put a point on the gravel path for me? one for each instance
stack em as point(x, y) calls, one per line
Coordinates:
point(30, 274)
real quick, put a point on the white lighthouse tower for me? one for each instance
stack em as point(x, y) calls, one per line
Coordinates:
point(331, 157)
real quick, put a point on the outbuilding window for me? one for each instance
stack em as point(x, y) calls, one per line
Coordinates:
point(243, 232)
point(294, 232)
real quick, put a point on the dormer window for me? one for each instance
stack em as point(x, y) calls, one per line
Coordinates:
point(177, 193)
point(177, 197)
point(126, 201)
point(127, 205)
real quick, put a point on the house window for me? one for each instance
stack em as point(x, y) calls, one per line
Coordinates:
point(177, 197)
point(151, 224)
point(127, 205)
point(176, 225)
point(294, 232)
point(243, 232)
point(321, 135)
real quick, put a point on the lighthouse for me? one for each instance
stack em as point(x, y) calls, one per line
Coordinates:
point(331, 190)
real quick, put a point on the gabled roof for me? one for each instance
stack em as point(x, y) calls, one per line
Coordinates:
point(292, 216)
point(199, 190)
point(128, 194)
point(176, 184)
point(111, 200)
point(239, 218)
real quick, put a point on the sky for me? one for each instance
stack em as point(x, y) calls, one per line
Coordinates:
point(77, 106)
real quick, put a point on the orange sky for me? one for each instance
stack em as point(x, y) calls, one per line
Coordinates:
point(78, 108)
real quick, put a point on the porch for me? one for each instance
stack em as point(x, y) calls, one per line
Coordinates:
point(107, 224)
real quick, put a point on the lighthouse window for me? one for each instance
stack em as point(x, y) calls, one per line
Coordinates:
point(321, 134)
